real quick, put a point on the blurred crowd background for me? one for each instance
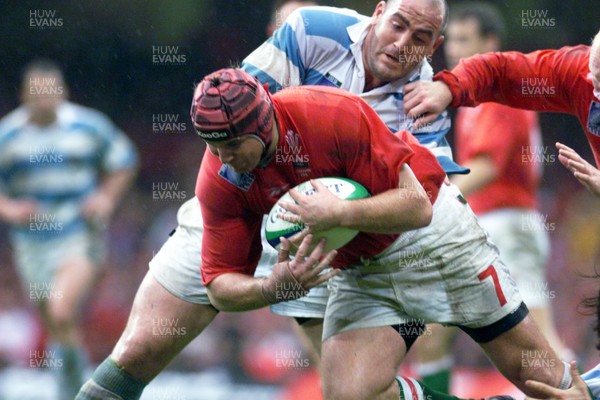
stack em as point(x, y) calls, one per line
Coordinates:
point(113, 55)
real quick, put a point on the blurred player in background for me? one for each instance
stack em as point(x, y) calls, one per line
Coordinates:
point(63, 169)
point(499, 145)
point(281, 10)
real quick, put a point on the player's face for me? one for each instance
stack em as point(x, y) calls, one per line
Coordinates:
point(463, 39)
point(400, 36)
point(42, 93)
point(242, 153)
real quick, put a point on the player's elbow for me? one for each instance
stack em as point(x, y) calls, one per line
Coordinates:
point(423, 212)
point(224, 296)
point(219, 298)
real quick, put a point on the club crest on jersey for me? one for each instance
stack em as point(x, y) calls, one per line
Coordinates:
point(292, 152)
point(593, 125)
point(242, 181)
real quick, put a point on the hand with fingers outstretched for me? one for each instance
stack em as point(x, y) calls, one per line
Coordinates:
point(583, 171)
point(293, 278)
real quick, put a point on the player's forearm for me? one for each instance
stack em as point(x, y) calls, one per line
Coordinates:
point(483, 172)
point(398, 210)
point(515, 79)
point(236, 292)
point(395, 211)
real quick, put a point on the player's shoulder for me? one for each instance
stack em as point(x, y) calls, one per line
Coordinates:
point(581, 50)
point(329, 12)
point(314, 95)
point(325, 20)
point(71, 113)
point(80, 112)
point(13, 121)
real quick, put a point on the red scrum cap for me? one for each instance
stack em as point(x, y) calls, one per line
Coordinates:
point(230, 103)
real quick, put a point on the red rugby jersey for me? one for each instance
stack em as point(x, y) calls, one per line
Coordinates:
point(323, 132)
point(511, 139)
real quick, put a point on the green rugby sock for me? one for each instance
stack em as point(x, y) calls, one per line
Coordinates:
point(72, 361)
point(436, 374)
point(115, 380)
point(412, 389)
point(439, 381)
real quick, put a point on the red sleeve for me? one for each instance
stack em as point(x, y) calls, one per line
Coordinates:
point(231, 238)
point(544, 80)
point(499, 130)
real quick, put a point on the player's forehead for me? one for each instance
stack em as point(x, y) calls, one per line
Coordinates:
point(228, 144)
point(45, 78)
point(463, 26)
point(424, 14)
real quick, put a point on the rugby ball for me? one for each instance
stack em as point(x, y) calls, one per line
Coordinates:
point(336, 237)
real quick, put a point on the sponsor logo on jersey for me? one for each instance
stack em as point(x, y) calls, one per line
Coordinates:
point(329, 80)
point(593, 125)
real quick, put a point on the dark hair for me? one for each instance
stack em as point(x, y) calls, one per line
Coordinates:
point(41, 65)
point(488, 17)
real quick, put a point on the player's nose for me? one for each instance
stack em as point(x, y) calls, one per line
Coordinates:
point(403, 42)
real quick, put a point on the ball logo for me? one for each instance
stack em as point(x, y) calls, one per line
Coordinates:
point(337, 237)
point(212, 135)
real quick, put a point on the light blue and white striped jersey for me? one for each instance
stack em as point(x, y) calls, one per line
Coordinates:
point(592, 380)
point(323, 46)
point(59, 165)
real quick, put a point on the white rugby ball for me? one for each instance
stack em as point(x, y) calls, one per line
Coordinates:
point(336, 237)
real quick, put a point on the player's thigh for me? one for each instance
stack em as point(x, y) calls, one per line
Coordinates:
point(522, 353)
point(361, 363)
point(159, 327)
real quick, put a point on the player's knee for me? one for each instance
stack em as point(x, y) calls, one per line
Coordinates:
point(62, 319)
point(141, 355)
